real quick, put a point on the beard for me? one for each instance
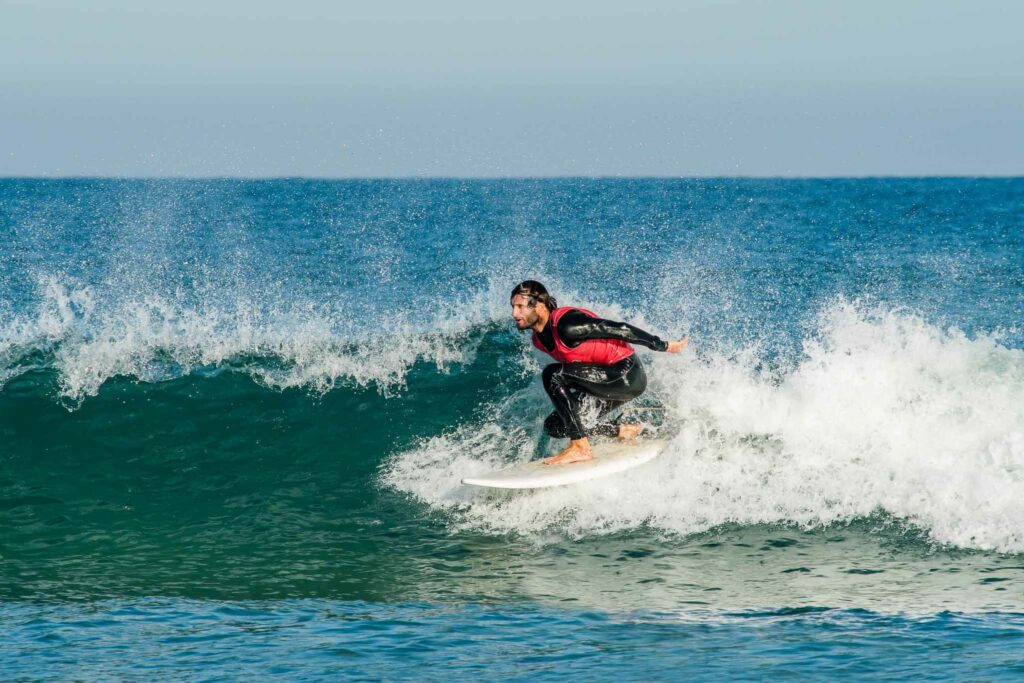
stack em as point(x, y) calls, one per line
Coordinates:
point(528, 322)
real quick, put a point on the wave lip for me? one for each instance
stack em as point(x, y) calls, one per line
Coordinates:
point(153, 338)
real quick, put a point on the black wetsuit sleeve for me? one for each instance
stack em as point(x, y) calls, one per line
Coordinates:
point(575, 327)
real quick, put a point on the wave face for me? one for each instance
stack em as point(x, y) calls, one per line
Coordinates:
point(270, 388)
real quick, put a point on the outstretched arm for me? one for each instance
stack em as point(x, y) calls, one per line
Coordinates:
point(575, 327)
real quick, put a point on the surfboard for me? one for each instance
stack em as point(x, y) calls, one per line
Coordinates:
point(609, 458)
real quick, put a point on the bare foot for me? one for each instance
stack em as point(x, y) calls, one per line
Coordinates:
point(575, 452)
point(629, 432)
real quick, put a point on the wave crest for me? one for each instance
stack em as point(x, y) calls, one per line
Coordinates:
point(155, 338)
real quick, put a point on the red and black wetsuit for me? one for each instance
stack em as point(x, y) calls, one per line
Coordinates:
point(594, 359)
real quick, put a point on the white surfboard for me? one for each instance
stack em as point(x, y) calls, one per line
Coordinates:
point(609, 458)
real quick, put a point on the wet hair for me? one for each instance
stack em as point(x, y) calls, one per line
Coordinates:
point(535, 292)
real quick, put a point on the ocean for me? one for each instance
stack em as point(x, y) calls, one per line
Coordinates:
point(235, 415)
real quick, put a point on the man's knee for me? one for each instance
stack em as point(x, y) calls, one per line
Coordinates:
point(549, 377)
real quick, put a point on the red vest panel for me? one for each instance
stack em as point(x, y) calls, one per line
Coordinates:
point(601, 351)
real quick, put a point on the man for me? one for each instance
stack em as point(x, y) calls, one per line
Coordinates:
point(594, 358)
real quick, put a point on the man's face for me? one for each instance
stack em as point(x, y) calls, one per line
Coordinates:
point(524, 312)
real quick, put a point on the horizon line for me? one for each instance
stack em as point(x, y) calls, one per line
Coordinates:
point(893, 176)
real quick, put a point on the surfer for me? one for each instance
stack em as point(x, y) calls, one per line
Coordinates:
point(594, 358)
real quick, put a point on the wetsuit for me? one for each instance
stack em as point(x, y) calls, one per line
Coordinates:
point(616, 378)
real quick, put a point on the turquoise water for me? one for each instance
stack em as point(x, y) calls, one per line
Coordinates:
point(235, 415)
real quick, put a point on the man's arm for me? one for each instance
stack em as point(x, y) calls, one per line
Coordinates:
point(575, 327)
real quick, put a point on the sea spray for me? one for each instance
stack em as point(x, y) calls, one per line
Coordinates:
point(154, 338)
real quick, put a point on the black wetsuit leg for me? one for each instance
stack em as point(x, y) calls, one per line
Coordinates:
point(612, 386)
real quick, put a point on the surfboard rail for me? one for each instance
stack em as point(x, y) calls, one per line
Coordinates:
point(609, 458)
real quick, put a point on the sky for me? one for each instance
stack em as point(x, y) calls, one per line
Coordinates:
point(480, 89)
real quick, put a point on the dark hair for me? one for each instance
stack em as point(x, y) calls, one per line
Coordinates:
point(535, 292)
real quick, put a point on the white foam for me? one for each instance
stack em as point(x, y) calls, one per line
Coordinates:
point(153, 337)
point(883, 412)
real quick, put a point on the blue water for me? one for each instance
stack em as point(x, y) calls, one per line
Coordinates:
point(235, 415)
point(305, 640)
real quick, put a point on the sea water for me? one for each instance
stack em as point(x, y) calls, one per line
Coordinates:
point(234, 416)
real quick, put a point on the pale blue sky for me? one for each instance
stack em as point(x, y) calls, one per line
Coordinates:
point(785, 88)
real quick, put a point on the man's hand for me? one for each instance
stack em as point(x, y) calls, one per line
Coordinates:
point(677, 346)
